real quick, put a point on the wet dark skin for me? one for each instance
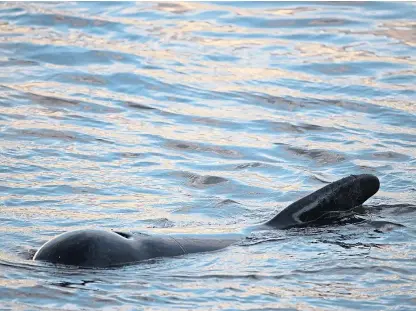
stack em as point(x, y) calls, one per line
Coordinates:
point(97, 248)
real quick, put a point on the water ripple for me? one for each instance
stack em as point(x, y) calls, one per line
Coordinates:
point(207, 117)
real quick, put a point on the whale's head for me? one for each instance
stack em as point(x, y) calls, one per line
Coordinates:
point(88, 248)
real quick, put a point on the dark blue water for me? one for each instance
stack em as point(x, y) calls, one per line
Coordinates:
point(207, 117)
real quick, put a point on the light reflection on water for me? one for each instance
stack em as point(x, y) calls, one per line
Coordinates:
point(207, 117)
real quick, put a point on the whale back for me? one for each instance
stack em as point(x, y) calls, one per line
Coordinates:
point(327, 203)
point(100, 248)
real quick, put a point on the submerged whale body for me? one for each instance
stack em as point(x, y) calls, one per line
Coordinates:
point(100, 248)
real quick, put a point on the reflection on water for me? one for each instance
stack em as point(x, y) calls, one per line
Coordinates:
point(207, 117)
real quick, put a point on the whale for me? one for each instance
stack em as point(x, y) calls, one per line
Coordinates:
point(98, 248)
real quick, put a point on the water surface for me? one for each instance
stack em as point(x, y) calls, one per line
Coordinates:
point(203, 118)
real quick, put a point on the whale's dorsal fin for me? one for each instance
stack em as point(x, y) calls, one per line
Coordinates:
point(329, 202)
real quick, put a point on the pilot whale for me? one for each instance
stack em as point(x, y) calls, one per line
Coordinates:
point(100, 248)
